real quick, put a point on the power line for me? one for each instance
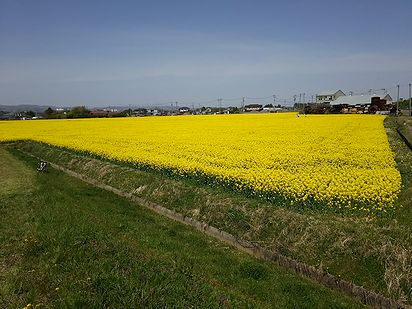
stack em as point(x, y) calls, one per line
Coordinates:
point(264, 98)
point(292, 100)
point(220, 104)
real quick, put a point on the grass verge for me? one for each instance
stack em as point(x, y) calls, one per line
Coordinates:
point(70, 245)
point(404, 124)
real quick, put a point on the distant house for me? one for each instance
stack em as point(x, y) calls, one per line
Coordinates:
point(155, 112)
point(140, 112)
point(272, 109)
point(253, 108)
point(99, 113)
point(268, 108)
point(184, 110)
point(206, 110)
point(328, 96)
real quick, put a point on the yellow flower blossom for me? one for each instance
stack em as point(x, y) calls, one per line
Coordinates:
point(343, 161)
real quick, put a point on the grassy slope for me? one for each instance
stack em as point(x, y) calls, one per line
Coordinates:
point(404, 124)
point(67, 244)
point(404, 161)
point(372, 251)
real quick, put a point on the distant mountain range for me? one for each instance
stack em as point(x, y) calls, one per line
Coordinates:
point(42, 108)
point(22, 108)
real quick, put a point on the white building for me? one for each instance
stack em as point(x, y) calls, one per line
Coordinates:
point(328, 96)
point(359, 100)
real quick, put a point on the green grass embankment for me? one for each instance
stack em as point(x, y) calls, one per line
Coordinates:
point(67, 244)
point(404, 125)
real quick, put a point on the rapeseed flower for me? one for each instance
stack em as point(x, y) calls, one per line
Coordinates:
point(343, 161)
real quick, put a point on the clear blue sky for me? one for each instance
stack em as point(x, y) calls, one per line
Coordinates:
point(100, 53)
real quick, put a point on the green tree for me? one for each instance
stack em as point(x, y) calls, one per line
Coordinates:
point(78, 112)
point(49, 113)
point(30, 114)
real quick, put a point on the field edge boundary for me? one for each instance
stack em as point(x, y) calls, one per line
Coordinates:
point(405, 140)
point(359, 293)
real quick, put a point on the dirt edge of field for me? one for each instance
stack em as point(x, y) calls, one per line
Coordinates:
point(359, 293)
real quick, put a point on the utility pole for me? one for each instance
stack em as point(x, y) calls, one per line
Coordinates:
point(300, 98)
point(243, 103)
point(397, 102)
point(410, 110)
point(220, 105)
point(274, 100)
point(304, 98)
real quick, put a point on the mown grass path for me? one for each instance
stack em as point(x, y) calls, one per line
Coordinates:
point(69, 245)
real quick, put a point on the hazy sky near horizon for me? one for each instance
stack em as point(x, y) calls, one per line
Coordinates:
point(100, 53)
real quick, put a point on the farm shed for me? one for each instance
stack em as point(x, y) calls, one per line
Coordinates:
point(362, 103)
point(360, 99)
point(184, 110)
point(328, 96)
point(99, 113)
point(253, 107)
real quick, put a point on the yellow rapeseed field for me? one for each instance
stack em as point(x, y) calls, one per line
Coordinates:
point(337, 160)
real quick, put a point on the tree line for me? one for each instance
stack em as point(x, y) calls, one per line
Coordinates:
point(76, 112)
